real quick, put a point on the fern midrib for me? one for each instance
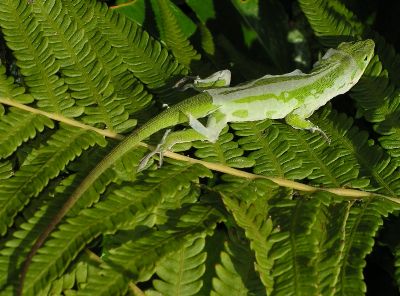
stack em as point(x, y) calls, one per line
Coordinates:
point(347, 247)
point(266, 147)
point(295, 272)
point(341, 250)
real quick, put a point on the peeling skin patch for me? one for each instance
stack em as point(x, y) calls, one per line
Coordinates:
point(257, 110)
point(274, 97)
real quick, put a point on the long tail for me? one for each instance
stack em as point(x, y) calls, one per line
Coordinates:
point(170, 117)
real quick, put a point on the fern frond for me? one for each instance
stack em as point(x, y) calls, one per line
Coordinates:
point(35, 58)
point(235, 272)
point(172, 34)
point(38, 214)
point(253, 219)
point(282, 151)
point(330, 227)
point(39, 167)
point(19, 126)
point(361, 226)
point(86, 68)
point(129, 91)
point(372, 161)
point(330, 20)
point(271, 154)
point(295, 253)
point(123, 208)
point(224, 151)
point(180, 272)
point(136, 259)
point(72, 280)
point(144, 56)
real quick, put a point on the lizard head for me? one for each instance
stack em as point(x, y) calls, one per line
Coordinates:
point(361, 51)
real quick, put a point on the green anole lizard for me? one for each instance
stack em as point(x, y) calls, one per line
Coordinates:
point(293, 96)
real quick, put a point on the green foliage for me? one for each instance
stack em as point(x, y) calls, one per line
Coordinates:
point(182, 229)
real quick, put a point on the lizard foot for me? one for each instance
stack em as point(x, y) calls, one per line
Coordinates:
point(159, 150)
point(321, 132)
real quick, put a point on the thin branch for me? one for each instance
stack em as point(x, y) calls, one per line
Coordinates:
point(350, 193)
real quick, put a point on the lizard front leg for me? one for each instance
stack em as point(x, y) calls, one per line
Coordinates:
point(218, 79)
point(298, 122)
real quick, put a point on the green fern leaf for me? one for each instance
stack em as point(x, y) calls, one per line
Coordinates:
point(374, 163)
point(271, 150)
point(180, 273)
point(172, 34)
point(72, 280)
point(294, 271)
point(39, 167)
point(129, 92)
point(253, 219)
point(144, 56)
point(6, 170)
point(235, 274)
point(8, 89)
point(138, 256)
point(330, 19)
point(24, 36)
point(87, 69)
point(19, 126)
point(224, 151)
point(361, 226)
point(123, 208)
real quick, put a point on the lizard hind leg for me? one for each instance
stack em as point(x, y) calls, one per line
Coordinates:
point(198, 132)
point(218, 79)
point(159, 150)
point(169, 140)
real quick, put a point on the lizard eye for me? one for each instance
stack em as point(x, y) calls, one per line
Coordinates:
point(366, 58)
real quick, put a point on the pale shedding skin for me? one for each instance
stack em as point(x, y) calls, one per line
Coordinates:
point(293, 96)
